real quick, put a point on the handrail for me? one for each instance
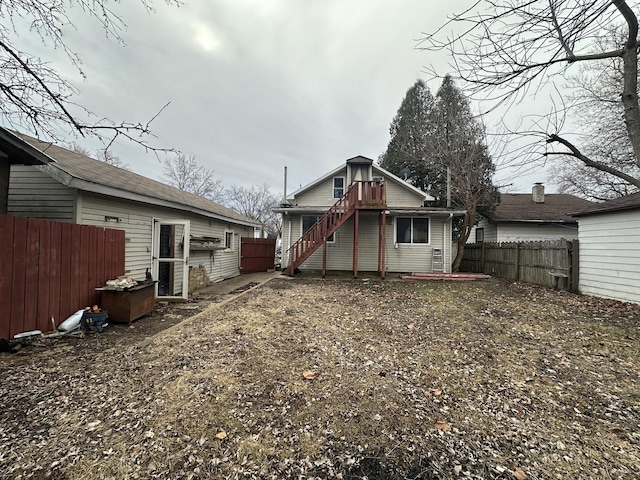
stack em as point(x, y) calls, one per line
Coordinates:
point(359, 194)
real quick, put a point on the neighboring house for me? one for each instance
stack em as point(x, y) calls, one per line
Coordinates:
point(360, 217)
point(167, 230)
point(609, 249)
point(524, 217)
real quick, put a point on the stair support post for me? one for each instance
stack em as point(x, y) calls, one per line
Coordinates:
point(382, 225)
point(356, 227)
point(324, 257)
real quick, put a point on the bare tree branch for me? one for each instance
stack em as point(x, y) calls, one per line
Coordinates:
point(510, 49)
point(32, 93)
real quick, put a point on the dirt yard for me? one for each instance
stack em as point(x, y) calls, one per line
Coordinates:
point(340, 379)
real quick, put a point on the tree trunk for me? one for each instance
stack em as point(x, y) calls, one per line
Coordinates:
point(468, 222)
point(630, 100)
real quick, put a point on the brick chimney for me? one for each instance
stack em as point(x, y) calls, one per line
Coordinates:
point(537, 193)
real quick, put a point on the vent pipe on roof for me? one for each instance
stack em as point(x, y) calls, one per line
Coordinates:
point(284, 198)
point(537, 192)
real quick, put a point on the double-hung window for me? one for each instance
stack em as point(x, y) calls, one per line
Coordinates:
point(338, 187)
point(308, 221)
point(412, 230)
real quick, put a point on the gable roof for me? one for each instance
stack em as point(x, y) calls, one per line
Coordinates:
point(520, 207)
point(628, 202)
point(20, 152)
point(376, 168)
point(84, 173)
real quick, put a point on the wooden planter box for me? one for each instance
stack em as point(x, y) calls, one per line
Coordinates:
point(125, 306)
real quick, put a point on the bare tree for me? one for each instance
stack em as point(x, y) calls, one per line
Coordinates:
point(510, 49)
point(106, 156)
point(595, 95)
point(257, 203)
point(103, 155)
point(187, 174)
point(459, 144)
point(33, 94)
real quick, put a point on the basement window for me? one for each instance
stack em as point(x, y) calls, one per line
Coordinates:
point(412, 230)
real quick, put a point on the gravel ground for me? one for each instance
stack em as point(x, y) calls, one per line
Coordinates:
point(340, 379)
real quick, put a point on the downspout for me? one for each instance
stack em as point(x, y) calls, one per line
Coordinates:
point(288, 239)
point(449, 243)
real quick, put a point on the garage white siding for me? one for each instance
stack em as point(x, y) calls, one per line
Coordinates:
point(610, 255)
point(137, 221)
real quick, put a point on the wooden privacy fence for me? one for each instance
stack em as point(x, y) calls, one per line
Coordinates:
point(552, 263)
point(257, 254)
point(51, 269)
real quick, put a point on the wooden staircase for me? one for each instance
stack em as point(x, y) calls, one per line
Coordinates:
point(360, 195)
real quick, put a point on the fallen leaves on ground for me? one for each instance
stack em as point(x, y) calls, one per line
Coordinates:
point(539, 384)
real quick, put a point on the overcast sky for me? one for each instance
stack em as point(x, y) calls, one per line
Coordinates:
point(257, 85)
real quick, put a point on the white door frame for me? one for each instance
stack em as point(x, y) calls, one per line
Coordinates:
point(180, 259)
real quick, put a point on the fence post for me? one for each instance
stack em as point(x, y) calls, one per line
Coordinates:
point(517, 261)
point(482, 258)
point(574, 265)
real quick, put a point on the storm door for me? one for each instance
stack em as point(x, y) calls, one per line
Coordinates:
point(171, 259)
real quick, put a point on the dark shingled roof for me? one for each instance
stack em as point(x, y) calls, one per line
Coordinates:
point(94, 171)
point(520, 207)
point(628, 202)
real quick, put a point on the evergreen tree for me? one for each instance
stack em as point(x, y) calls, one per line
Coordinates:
point(406, 155)
point(459, 144)
point(430, 136)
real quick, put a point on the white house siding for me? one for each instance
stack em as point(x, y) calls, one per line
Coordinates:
point(610, 255)
point(35, 194)
point(137, 219)
point(321, 194)
point(404, 258)
point(416, 257)
point(518, 232)
point(398, 196)
point(489, 230)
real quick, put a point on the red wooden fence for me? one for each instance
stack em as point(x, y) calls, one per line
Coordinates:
point(51, 269)
point(257, 254)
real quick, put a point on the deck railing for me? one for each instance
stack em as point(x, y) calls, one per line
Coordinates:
point(361, 194)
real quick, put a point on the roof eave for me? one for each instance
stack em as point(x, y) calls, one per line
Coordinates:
point(85, 186)
point(23, 152)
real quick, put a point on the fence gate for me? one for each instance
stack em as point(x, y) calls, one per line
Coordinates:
point(257, 254)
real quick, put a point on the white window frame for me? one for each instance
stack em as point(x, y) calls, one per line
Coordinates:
point(334, 188)
point(229, 247)
point(395, 231)
point(302, 232)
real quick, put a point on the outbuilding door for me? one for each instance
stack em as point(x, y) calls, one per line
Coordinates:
point(171, 259)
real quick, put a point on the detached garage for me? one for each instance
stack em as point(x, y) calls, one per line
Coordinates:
point(610, 250)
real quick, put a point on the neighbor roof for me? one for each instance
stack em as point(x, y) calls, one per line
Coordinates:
point(628, 202)
point(520, 207)
point(85, 173)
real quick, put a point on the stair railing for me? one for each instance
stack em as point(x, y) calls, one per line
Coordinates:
point(359, 194)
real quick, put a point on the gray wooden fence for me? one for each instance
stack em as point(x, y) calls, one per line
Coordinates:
point(552, 263)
